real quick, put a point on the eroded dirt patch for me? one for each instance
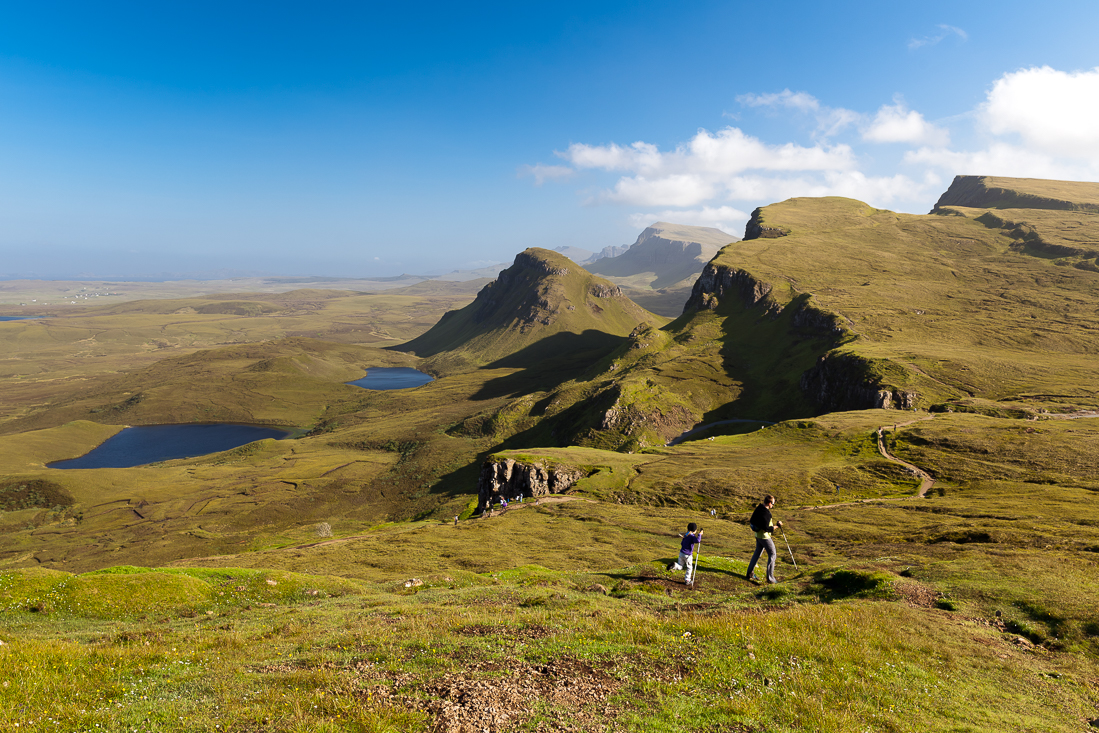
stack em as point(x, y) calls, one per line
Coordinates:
point(563, 695)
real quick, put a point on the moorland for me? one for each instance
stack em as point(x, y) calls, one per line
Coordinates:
point(921, 393)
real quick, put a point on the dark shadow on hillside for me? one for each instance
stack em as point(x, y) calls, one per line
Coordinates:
point(769, 355)
point(548, 363)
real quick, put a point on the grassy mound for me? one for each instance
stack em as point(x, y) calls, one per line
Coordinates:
point(542, 306)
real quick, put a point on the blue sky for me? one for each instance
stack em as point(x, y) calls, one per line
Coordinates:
point(362, 139)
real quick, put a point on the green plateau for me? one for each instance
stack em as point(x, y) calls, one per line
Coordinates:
point(920, 392)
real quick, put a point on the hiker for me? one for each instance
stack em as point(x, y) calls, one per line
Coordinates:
point(686, 551)
point(762, 524)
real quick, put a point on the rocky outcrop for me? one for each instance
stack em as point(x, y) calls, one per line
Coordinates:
point(605, 290)
point(719, 282)
point(755, 228)
point(509, 479)
point(607, 253)
point(848, 382)
point(989, 192)
point(808, 318)
point(526, 311)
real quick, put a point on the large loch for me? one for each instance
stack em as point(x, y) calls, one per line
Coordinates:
point(141, 445)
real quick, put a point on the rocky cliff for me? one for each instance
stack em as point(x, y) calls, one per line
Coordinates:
point(544, 304)
point(510, 479)
point(845, 381)
point(756, 229)
point(994, 192)
point(719, 282)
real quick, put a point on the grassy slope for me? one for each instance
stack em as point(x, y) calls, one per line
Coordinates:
point(891, 624)
point(47, 361)
point(860, 638)
point(541, 306)
point(944, 297)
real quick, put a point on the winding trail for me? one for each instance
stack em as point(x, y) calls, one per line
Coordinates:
point(926, 482)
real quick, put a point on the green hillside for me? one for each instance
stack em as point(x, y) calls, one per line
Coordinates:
point(919, 392)
point(543, 306)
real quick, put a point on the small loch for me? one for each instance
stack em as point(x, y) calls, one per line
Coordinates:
point(392, 378)
point(144, 444)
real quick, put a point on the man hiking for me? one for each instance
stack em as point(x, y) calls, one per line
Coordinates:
point(686, 551)
point(762, 524)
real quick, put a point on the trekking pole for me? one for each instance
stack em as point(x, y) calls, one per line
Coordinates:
point(791, 551)
point(694, 563)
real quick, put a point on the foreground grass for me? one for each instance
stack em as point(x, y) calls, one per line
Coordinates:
point(528, 649)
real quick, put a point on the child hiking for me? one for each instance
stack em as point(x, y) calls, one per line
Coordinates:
point(762, 524)
point(686, 552)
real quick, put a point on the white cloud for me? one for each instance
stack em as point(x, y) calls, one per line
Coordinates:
point(725, 218)
point(708, 154)
point(639, 157)
point(895, 123)
point(945, 31)
point(670, 190)
point(1037, 122)
point(543, 173)
point(1053, 111)
point(998, 159)
point(830, 120)
point(793, 100)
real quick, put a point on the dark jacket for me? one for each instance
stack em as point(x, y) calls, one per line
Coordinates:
point(761, 520)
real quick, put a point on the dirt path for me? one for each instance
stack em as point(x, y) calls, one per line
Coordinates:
point(926, 482)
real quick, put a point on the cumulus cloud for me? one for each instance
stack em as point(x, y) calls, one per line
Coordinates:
point(670, 190)
point(1036, 122)
point(1052, 111)
point(725, 218)
point(722, 153)
point(895, 123)
point(945, 31)
point(998, 159)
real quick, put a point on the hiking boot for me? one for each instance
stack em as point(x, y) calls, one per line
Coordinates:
point(771, 581)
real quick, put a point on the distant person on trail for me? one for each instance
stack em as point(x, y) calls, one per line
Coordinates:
point(762, 524)
point(686, 550)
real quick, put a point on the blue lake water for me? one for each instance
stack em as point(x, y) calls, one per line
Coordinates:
point(19, 318)
point(392, 378)
point(151, 443)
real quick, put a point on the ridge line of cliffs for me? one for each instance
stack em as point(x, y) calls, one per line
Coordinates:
point(981, 192)
point(839, 380)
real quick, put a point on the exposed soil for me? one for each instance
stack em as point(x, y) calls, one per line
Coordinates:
point(926, 482)
point(488, 697)
point(916, 594)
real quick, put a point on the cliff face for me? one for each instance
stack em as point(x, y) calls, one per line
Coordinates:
point(755, 228)
point(510, 479)
point(990, 192)
point(542, 296)
point(719, 282)
point(496, 301)
point(846, 382)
